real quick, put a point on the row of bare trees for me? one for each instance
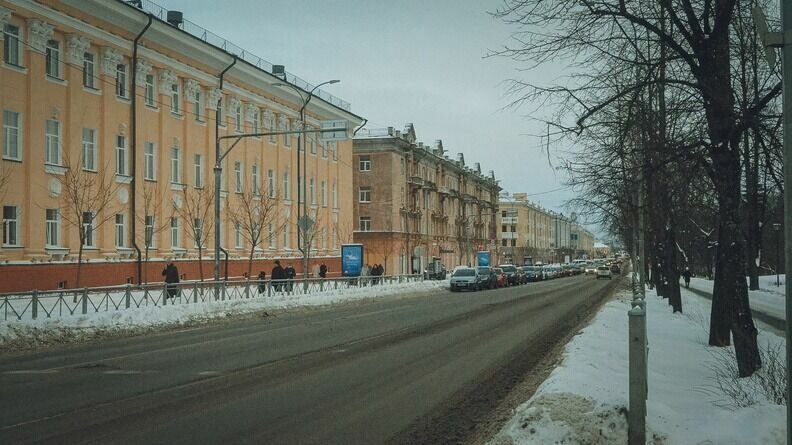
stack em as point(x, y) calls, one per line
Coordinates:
point(673, 117)
point(88, 201)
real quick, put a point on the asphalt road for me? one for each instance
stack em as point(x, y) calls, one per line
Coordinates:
point(399, 370)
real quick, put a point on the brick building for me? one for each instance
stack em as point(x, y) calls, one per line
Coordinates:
point(72, 105)
point(413, 203)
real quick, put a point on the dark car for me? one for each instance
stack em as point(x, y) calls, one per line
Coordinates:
point(615, 268)
point(533, 273)
point(511, 273)
point(489, 279)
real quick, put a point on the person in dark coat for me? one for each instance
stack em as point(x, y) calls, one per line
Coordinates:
point(171, 274)
point(261, 277)
point(278, 275)
point(290, 274)
point(323, 271)
point(686, 275)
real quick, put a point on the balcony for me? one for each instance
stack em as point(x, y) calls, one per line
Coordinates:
point(509, 220)
point(443, 190)
point(415, 181)
point(509, 235)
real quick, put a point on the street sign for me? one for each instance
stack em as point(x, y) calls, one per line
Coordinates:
point(305, 223)
point(333, 130)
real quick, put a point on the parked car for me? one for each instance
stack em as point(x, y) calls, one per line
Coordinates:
point(591, 269)
point(501, 279)
point(533, 273)
point(511, 273)
point(615, 268)
point(465, 278)
point(549, 272)
point(604, 272)
point(489, 279)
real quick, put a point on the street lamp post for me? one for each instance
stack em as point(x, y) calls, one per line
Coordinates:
point(777, 228)
point(307, 222)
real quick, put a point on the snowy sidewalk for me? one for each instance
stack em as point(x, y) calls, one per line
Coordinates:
point(44, 330)
point(769, 299)
point(584, 400)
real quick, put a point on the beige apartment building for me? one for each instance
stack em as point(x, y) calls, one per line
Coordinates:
point(414, 203)
point(142, 141)
point(530, 233)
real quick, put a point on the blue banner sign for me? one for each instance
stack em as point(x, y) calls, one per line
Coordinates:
point(483, 258)
point(351, 259)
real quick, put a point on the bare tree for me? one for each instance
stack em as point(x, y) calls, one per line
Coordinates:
point(85, 203)
point(344, 232)
point(309, 235)
point(196, 210)
point(251, 213)
point(152, 200)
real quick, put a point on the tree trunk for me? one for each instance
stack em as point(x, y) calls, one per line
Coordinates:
point(250, 262)
point(200, 262)
point(670, 269)
point(145, 270)
point(752, 230)
point(730, 306)
point(79, 268)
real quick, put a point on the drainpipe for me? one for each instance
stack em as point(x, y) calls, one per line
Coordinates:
point(133, 184)
point(217, 184)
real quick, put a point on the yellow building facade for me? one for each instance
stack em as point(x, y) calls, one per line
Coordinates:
point(74, 109)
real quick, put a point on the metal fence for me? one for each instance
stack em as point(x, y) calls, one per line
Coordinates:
point(65, 302)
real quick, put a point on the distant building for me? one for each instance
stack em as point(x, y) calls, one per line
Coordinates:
point(413, 203)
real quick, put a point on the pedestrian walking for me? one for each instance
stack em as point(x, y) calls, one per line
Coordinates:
point(171, 274)
point(290, 274)
point(261, 286)
point(323, 271)
point(686, 276)
point(278, 276)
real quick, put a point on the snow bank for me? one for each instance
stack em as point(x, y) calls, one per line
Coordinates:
point(28, 332)
point(584, 400)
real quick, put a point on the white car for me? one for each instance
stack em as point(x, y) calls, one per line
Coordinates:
point(604, 272)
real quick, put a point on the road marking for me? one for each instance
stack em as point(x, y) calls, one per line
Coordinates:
point(33, 371)
point(209, 373)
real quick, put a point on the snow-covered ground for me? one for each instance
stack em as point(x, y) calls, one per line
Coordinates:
point(584, 400)
point(42, 330)
point(768, 299)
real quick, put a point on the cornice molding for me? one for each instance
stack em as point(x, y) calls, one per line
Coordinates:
point(144, 68)
point(191, 88)
point(167, 79)
point(77, 45)
point(5, 17)
point(111, 57)
point(38, 33)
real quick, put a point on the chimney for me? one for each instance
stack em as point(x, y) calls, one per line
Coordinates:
point(390, 131)
point(461, 159)
point(477, 165)
point(492, 174)
point(279, 71)
point(175, 18)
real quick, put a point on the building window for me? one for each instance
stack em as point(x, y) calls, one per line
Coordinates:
point(324, 150)
point(256, 121)
point(175, 98)
point(333, 149)
point(238, 118)
point(238, 177)
point(300, 191)
point(198, 227)
point(89, 149)
point(364, 163)
point(312, 138)
point(269, 123)
point(271, 183)
point(11, 124)
point(311, 191)
point(286, 137)
point(174, 227)
point(121, 81)
point(175, 166)
point(52, 228)
point(148, 231)
point(365, 194)
point(286, 231)
point(255, 180)
point(120, 232)
point(271, 236)
point(286, 192)
point(89, 71)
point(335, 195)
point(121, 156)
point(10, 226)
point(198, 169)
point(11, 45)
point(88, 229)
point(53, 154)
point(323, 191)
point(237, 235)
point(52, 59)
point(365, 223)
point(150, 91)
point(220, 112)
point(198, 101)
point(149, 164)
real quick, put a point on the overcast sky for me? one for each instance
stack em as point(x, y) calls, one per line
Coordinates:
point(399, 61)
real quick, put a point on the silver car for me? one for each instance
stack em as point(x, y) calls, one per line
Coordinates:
point(465, 278)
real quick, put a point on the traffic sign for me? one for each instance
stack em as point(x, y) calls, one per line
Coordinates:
point(336, 130)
